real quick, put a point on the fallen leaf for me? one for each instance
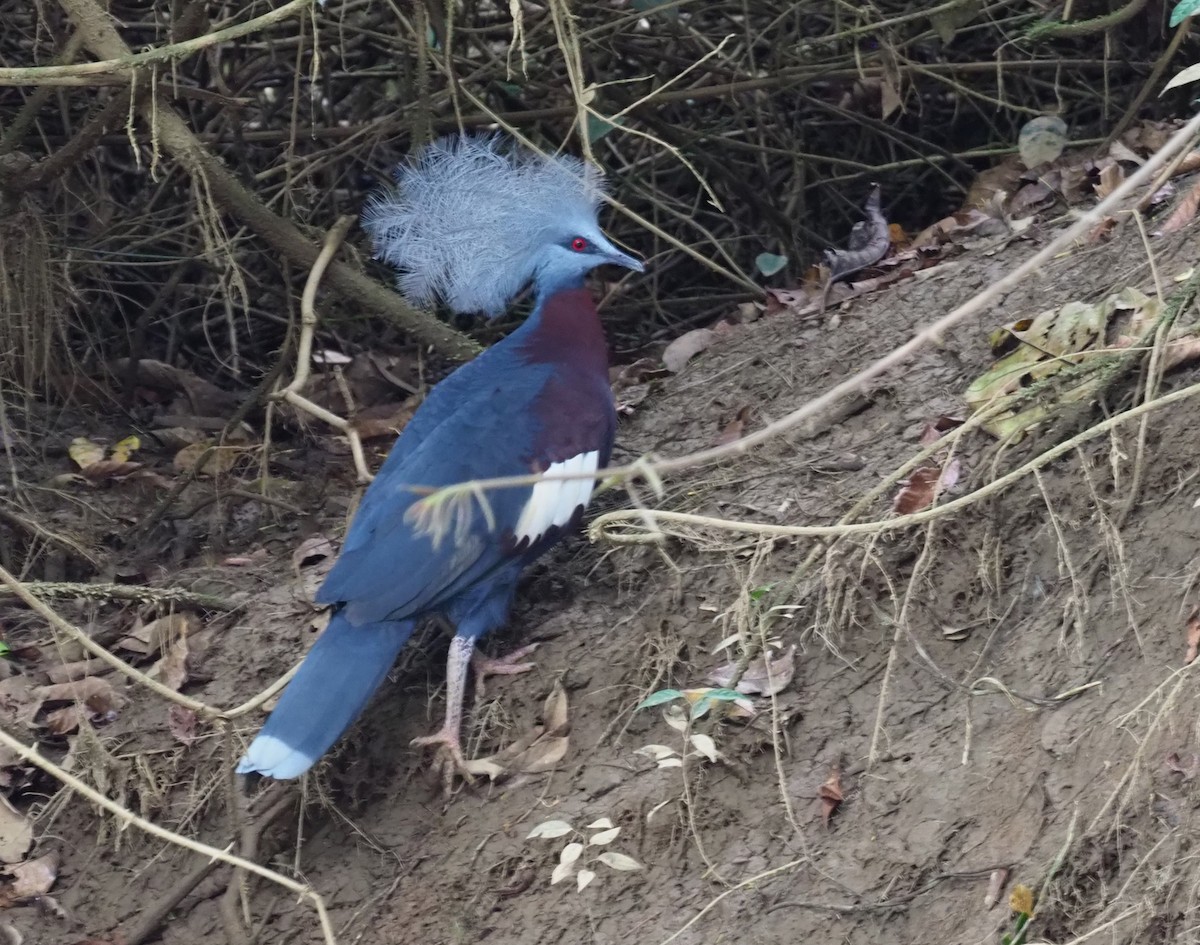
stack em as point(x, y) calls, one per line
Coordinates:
point(686, 347)
point(1183, 214)
point(1193, 636)
point(921, 488)
point(85, 452)
point(935, 429)
point(97, 695)
point(1188, 769)
point(619, 861)
point(830, 794)
point(19, 700)
point(171, 670)
point(311, 551)
point(182, 723)
point(1042, 140)
point(34, 877)
point(995, 886)
point(735, 429)
point(16, 833)
point(65, 720)
point(767, 675)
point(217, 463)
point(157, 635)
point(122, 449)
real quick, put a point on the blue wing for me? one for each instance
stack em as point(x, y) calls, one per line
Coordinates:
point(389, 569)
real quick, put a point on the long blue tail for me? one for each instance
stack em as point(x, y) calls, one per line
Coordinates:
point(336, 680)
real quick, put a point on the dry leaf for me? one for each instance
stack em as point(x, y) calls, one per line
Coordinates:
point(1183, 214)
point(311, 551)
point(1193, 636)
point(935, 429)
point(171, 670)
point(831, 795)
point(735, 429)
point(65, 720)
point(182, 722)
point(767, 675)
point(218, 462)
point(85, 452)
point(995, 886)
point(924, 485)
point(157, 635)
point(34, 877)
point(1189, 769)
point(16, 833)
point(97, 695)
point(686, 347)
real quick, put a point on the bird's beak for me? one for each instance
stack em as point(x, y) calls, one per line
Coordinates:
point(618, 258)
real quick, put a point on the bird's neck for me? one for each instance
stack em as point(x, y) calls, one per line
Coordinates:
point(565, 328)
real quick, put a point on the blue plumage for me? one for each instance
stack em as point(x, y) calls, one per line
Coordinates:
point(537, 402)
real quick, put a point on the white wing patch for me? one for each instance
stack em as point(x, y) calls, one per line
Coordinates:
point(554, 501)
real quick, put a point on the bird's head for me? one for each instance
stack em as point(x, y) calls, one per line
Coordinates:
point(474, 219)
point(572, 249)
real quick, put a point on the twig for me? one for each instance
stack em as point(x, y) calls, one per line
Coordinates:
point(149, 595)
point(127, 817)
point(308, 325)
point(129, 61)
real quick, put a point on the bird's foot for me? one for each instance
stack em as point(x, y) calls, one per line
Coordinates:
point(509, 665)
point(449, 761)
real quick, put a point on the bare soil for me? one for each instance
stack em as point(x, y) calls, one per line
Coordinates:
point(998, 690)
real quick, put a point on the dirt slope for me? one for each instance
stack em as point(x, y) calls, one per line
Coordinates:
point(958, 751)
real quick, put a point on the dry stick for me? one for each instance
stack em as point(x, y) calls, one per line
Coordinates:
point(128, 61)
point(232, 196)
point(162, 833)
point(308, 326)
point(132, 592)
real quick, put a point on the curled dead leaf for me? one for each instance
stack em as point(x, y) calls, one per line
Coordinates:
point(16, 833)
point(1193, 636)
point(157, 635)
point(830, 794)
point(34, 877)
point(182, 723)
point(767, 675)
point(686, 347)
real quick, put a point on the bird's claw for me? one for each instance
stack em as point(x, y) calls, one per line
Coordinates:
point(507, 665)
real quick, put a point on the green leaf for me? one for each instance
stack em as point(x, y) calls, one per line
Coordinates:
point(658, 698)
point(1042, 140)
point(705, 702)
point(1183, 9)
point(760, 592)
point(5, 649)
point(1190, 74)
point(598, 127)
point(768, 263)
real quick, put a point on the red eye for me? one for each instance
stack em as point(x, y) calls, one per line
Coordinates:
point(579, 244)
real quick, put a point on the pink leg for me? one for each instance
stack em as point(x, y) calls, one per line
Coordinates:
point(447, 738)
point(485, 666)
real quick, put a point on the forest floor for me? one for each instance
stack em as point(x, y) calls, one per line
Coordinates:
point(999, 696)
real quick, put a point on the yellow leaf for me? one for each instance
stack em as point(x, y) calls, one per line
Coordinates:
point(219, 461)
point(1020, 900)
point(123, 449)
point(85, 452)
